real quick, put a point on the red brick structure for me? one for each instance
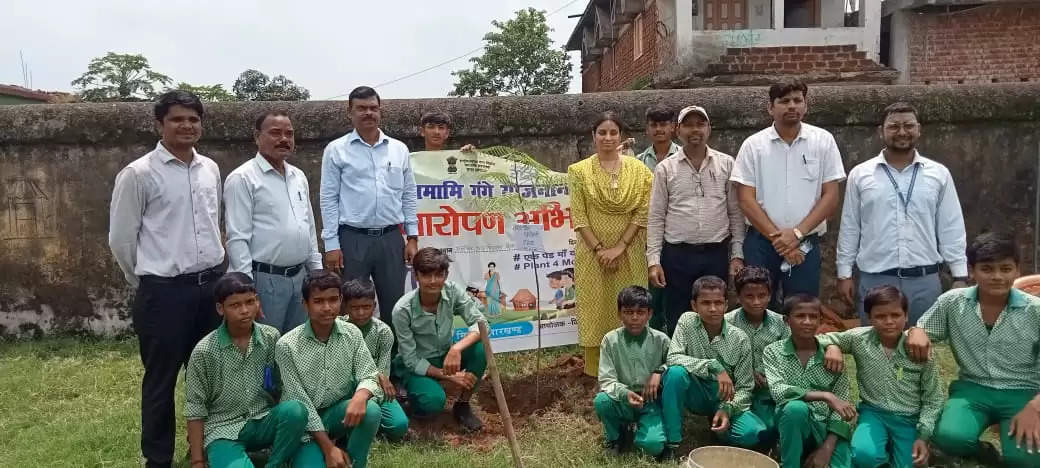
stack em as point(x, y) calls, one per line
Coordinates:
point(619, 68)
point(834, 58)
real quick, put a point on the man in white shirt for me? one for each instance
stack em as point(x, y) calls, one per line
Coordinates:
point(164, 233)
point(788, 178)
point(901, 220)
point(270, 223)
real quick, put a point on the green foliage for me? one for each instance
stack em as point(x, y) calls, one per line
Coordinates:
point(642, 82)
point(253, 85)
point(518, 60)
point(119, 77)
point(214, 93)
point(525, 170)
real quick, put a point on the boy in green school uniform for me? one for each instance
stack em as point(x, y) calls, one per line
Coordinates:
point(900, 399)
point(359, 300)
point(994, 332)
point(325, 364)
point(763, 327)
point(423, 324)
point(710, 371)
point(632, 359)
point(227, 399)
point(812, 403)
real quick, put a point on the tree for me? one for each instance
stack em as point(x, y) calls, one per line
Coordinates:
point(518, 59)
point(214, 93)
point(119, 77)
point(253, 85)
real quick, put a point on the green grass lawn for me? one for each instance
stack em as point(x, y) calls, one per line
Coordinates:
point(76, 403)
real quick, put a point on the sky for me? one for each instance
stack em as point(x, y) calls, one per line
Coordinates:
point(327, 46)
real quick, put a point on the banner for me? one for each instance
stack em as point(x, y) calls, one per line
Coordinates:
point(507, 227)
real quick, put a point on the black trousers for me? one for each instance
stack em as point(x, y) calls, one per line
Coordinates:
point(683, 264)
point(379, 257)
point(170, 317)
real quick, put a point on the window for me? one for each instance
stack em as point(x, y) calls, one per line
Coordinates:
point(637, 37)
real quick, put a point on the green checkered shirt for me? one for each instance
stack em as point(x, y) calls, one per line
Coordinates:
point(320, 375)
point(380, 340)
point(772, 329)
point(649, 156)
point(788, 380)
point(895, 384)
point(1005, 358)
point(224, 388)
point(704, 358)
point(626, 361)
point(422, 336)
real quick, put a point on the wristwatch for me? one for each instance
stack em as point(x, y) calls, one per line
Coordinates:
point(798, 234)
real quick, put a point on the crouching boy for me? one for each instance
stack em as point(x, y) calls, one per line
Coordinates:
point(632, 359)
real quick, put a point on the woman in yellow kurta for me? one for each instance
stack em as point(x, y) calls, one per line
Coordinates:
point(610, 194)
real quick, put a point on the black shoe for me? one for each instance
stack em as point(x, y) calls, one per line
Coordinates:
point(464, 416)
point(670, 454)
point(612, 448)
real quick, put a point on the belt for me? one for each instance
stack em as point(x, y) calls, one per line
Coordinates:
point(199, 278)
point(372, 232)
point(277, 270)
point(914, 272)
point(700, 247)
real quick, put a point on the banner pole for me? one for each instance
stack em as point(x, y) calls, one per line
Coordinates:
point(500, 396)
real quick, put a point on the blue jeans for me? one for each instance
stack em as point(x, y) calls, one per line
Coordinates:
point(803, 278)
point(281, 299)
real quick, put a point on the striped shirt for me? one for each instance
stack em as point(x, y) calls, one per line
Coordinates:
point(789, 380)
point(705, 358)
point(772, 329)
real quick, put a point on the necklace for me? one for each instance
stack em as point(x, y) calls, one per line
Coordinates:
point(614, 182)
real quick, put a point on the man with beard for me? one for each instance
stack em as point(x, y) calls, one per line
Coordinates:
point(901, 220)
point(787, 179)
point(694, 227)
point(164, 232)
point(367, 193)
point(270, 223)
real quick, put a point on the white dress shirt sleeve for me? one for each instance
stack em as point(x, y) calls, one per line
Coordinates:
point(238, 222)
point(314, 259)
point(737, 225)
point(744, 167)
point(656, 215)
point(408, 197)
point(328, 199)
point(849, 233)
point(833, 168)
point(125, 216)
point(949, 225)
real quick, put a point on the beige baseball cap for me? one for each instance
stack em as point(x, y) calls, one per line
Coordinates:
point(698, 109)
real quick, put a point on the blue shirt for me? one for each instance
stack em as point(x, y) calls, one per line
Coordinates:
point(366, 186)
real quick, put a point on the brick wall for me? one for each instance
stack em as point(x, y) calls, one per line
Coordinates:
point(800, 59)
point(994, 43)
point(617, 69)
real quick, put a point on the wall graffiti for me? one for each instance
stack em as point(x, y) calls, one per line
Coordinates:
point(30, 212)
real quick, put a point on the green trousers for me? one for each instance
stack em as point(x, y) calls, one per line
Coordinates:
point(763, 406)
point(883, 437)
point(615, 415)
point(392, 422)
point(800, 434)
point(425, 394)
point(657, 303)
point(970, 409)
point(681, 392)
point(359, 438)
point(281, 430)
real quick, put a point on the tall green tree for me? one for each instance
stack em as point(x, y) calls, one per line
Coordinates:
point(519, 59)
point(253, 85)
point(213, 93)
point(120, 77)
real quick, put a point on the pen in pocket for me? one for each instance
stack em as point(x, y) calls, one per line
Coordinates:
point(804, 161)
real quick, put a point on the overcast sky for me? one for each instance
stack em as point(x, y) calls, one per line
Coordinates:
point(327, 46)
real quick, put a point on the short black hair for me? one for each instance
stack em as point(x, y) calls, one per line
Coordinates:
point(612, 117)
point(357, 289)
point(899, 108)
point(262, 117)
point(232, 283)
point(177, 97)
point(429, 260)
point(885, 294)
point(993, 247)
point(569, 272)
point(319, 280)
point(708, 283)
point(492, 264)
point(784, 87)
point(436, 118)
point(797, 300)
point(661, 114)
point(555, 275)
point(753, 274)
point(362, 92)
point(634, 296)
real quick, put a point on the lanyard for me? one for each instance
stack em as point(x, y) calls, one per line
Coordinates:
point(909, 191)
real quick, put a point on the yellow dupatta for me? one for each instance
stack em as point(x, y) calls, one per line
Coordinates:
point(631, 194)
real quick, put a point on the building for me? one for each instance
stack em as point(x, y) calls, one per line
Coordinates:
point(959, 41)
point(635, 44)
point(11, 94)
